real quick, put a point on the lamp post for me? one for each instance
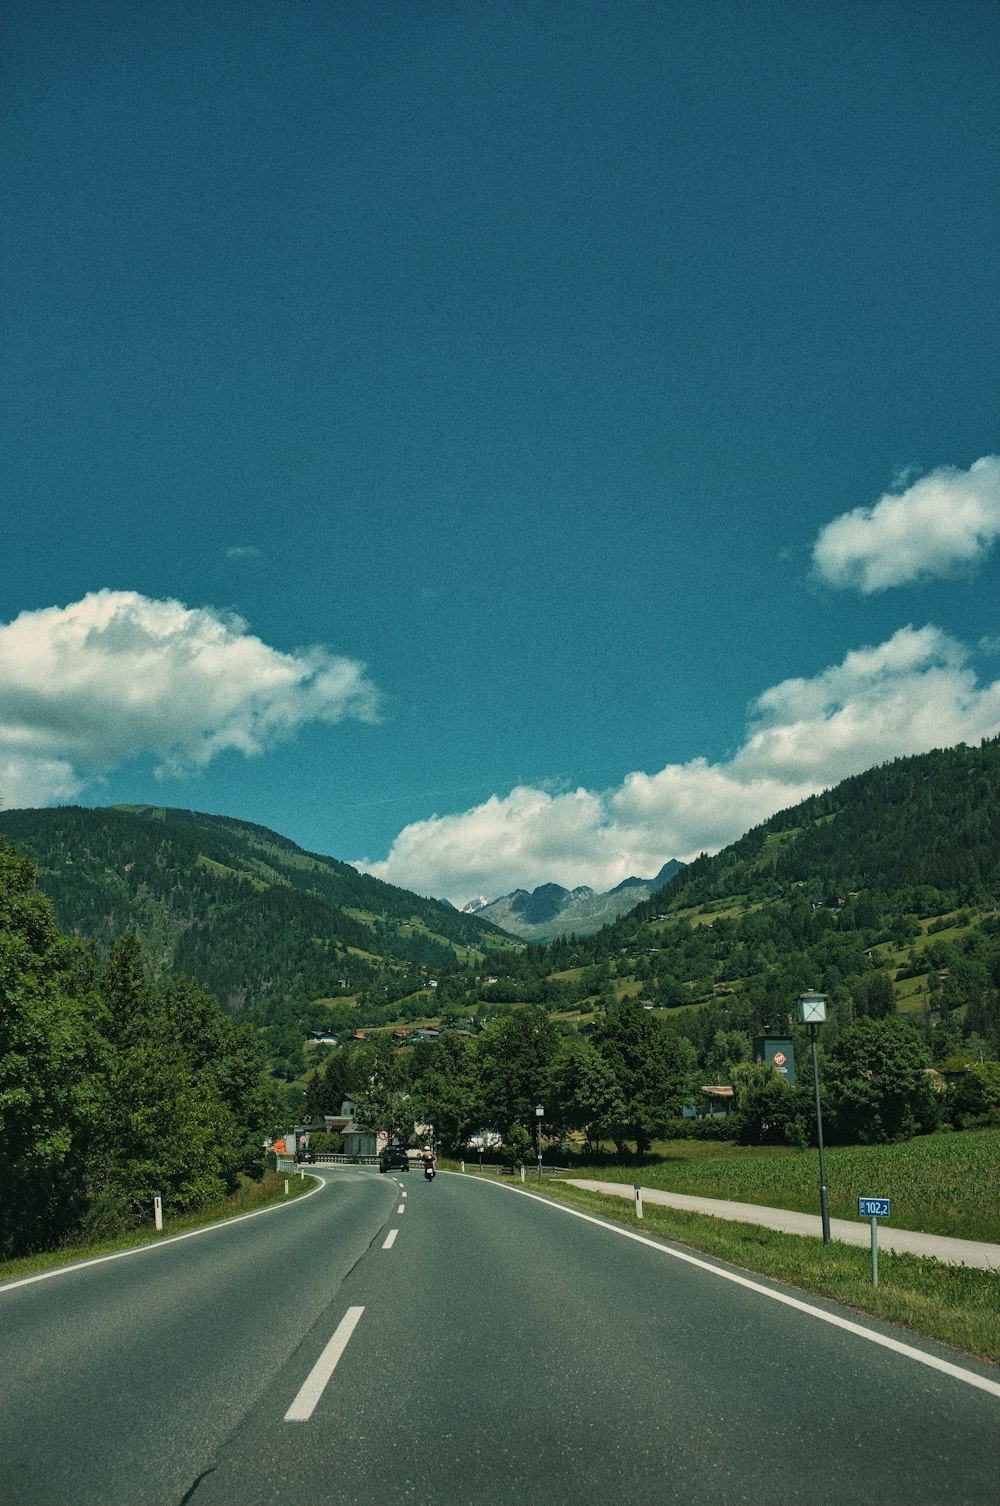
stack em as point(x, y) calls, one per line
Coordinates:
point(812, 1012)
point(539, 1115)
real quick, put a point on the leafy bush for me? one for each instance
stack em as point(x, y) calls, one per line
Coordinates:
point(768, 1111)
point(718, 1127)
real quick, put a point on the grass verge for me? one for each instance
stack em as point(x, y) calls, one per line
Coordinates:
point(247, 1198)
point(957, 1305)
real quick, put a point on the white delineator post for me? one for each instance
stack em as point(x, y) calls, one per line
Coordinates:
point(638, 1199)
point(158, 1212)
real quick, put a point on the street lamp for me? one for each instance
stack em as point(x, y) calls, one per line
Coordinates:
point(539, 1115)
point(812, 1012)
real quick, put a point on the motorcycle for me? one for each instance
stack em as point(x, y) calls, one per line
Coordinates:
point(429, 1173)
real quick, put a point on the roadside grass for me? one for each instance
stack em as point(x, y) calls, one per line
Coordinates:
point(954, 1304)
point(937, 1184)
point(248, 1197)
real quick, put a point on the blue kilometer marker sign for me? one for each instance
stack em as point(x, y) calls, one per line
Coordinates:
point(873, 1207)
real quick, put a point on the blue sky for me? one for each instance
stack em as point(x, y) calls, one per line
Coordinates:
point(495, 442)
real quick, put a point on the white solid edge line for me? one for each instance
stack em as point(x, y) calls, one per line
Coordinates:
point(157, 1244)
point(390, 1239)
point(315, 1382)
point(944, 1366)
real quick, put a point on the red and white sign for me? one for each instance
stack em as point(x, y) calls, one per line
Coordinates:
point(779, 1058)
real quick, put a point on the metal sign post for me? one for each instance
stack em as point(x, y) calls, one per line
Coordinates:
point(812, 1012)
point(873, 1208)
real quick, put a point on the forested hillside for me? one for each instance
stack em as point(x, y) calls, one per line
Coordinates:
point(267, 927)
point(925, 823)
point(883, 893)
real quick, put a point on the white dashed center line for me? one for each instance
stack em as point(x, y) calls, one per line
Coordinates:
point(302, 1407)
point(390, 1239)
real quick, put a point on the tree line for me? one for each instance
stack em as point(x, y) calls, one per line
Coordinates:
point(628, 1081)
point(113, 1087)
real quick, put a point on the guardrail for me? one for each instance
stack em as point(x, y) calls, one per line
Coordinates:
point(291, 1167)
point(324, 1158)
point(495, 1169)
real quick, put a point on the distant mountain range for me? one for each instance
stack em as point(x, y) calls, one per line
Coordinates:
point(550, 910)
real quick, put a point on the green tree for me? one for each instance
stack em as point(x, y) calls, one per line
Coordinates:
point(876, 996)
point(513, 1057)
point(445, 1092)
point(332, 1083)
point(184, 1099)
point(877, 1084)
point(51, 1059)
point(728, 1048)
point(974, 1095)
point(517, 1146)
point(652, 1067)
point(767, 1110)
point(583, 1093)
point(383, 1100)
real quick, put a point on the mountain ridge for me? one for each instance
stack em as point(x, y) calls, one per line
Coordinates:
point(270, 928)
point(550, 910)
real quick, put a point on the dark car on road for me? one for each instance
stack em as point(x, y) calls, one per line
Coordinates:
point(393, 1158)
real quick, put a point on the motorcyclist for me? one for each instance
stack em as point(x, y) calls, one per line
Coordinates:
point(428, 1161)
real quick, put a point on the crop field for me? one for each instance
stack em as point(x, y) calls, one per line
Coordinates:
point(938, 1184)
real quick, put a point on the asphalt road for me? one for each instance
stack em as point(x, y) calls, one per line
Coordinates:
point(495, 1349)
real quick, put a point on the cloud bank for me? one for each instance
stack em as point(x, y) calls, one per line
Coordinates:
point(915, 692)
point(88, 687)
point(942, 524)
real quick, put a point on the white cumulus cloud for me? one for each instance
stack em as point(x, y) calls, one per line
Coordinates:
point(87, 687)
point(914, 692)
point(939, 525)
